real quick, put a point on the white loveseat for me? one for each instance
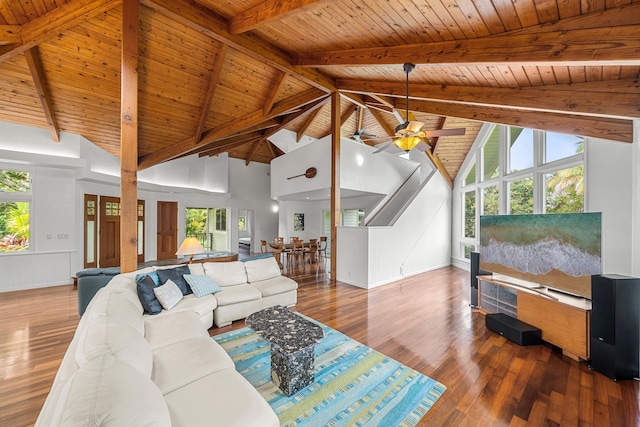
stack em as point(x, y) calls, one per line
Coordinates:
point(124, 367)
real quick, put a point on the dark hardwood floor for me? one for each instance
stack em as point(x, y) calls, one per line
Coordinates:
point(423, 321)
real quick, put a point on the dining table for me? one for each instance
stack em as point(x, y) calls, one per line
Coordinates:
point(278, 248)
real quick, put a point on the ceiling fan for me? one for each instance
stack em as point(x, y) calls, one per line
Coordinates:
point(359, 134)
point(409, 135)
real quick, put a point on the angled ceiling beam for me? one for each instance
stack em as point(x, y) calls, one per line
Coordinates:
point(274, 148)
point(605, 128)
point(57, 21)
point(219, 149)
point(622, 100)
point(377, 115)
point(305, 126)
point(214, 79)
point(440, 166)
point(37, 73)
point(273, 152)
point(275, 89)
point(266, 12)
point(595, 39)
point(206, 22)
point(346, 114)
point(354, 99)
point(10, 34)
point(234, 126)
point(253, 150)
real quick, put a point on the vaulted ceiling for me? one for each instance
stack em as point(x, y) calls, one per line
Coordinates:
point(224, 76)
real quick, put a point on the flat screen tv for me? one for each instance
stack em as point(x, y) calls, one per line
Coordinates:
point(559, 251)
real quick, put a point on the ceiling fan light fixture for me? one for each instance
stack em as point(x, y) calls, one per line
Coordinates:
point(409, 130)
point(407, 143)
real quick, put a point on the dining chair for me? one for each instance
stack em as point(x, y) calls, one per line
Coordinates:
point(294, 238)
point(312, 250)
point(296, 255)
point(322, 247)
point(281, 251)
point(263, 246)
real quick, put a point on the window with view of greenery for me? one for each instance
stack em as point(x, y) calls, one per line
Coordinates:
point(242, 223)
point(521, 196)
point(491, 155)
point(15, 197)
point(470, 214)
point(565, 190)
point(490, 200)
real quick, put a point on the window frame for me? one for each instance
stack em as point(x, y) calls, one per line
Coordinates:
point(25, 197)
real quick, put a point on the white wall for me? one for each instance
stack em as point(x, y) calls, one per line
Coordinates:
point(63, 172)
point(419, 241)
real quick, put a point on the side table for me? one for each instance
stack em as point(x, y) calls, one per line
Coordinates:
point(293, 340)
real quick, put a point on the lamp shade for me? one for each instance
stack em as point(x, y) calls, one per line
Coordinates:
point(407, 143)
point(190, 246)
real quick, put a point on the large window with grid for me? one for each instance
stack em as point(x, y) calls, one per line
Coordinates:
point(15, 210)
point(520, 171)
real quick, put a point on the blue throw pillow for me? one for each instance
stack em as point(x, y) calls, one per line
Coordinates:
point(202, 285)
point(153, 275)
point(150, 303)
point(175, 275)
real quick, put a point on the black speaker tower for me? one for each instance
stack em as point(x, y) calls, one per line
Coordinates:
point(615, 326)
point(475, 271)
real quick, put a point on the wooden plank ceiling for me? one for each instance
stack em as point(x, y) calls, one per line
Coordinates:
point(220, 77)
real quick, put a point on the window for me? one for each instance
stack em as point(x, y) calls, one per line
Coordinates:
point(352, 217)
point(521, 196)
point(520, 148)
point(558, 146)
point(565, 190)
point(470, 214)
point(242, 223)
point(471, 176)
point(221, 220)
point(491, 155)
point(15, 210)
point(490, 200)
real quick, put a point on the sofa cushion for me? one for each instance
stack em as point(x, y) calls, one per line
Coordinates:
point(226, 273)
point(275, 286)
point(196, 268)
point(201, 306)
point(168, 294)
point(109, 337)
point(115, 305)
point(165, 330)
point(95, 396)
point(175, 275)
point(202, 285)
point(236, 294)
point(262, 269)
point(152, 274)
point(181, 363)
point(236, 404)
point(148, 299)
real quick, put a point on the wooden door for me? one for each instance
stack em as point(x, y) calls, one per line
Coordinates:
point(167, 230)
point(109, 231)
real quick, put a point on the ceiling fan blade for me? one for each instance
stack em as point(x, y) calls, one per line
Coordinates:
point(422, 146)
point(384, 147)
point(444, 132)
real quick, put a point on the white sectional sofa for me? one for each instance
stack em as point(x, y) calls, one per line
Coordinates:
point(124, 367)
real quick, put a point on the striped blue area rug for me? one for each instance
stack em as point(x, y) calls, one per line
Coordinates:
point(354, 384)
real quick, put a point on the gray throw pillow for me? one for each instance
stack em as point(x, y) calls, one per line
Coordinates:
point(150, 303)
point(175, 275)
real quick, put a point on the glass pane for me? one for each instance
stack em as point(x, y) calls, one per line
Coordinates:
point(565, 190)
point(14, 181)
point(196, 222)
point(140, 210)
point(490, 201)
point(558, 146)
point(140, 237)
point(466, 250)
point(242, 223)
point(107, 208)
point(14, 226)
point(91, 256)
point(520, 148)
point(521, 196)
point(471, 176)
point(470, 214)
point(350, 218)
point(491, 155)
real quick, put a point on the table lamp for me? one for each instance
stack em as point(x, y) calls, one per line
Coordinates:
point(190, 246)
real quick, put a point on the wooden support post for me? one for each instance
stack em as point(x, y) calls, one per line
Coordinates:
point(129, 137)
point(335, 180)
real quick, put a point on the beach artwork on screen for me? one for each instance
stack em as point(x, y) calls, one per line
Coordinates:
point(560, 251)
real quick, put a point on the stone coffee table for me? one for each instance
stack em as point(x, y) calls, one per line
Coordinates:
point(293, 340)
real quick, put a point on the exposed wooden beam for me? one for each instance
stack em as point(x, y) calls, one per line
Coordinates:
point(206, 22)
point(129, 137)
point(622, 99)
point(266, 12)
point(579, 47)
point(219, 149)
point(336, 123)
point(10, 34)
point(354, 99)
point(440, 166)
point(275, 89)
point(277, 149)
point(306, 124)
point(56, 22)
point(214, 79)
point(37, 73)
point(605, 128)
point(273, 152)
point(388, 130)
point(190, 145)
point(346, 114)
point(253, 150)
